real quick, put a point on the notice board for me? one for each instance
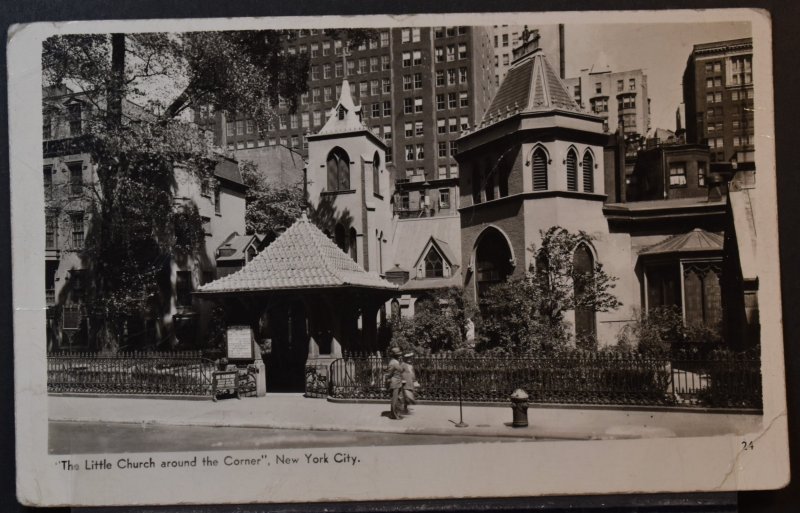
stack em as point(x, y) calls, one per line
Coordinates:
point(240, 343)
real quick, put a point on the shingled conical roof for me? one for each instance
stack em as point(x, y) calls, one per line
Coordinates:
point(531, 85)
point(301, 258)
point(695, 241)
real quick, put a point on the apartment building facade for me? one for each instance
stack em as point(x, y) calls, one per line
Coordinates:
point(618, 97)
point(718, 97)
point(418, 88)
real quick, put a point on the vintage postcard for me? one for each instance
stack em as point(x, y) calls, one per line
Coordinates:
point(381, 258)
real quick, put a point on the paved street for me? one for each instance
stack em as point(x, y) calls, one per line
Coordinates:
point(101, 437)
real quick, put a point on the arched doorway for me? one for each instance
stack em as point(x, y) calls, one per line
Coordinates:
point(493, 260)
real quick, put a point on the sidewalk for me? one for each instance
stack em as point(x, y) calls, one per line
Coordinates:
point(293, 411)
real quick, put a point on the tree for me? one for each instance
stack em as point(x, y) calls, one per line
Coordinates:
point(439, 323)
point(136, 89)
point(271, 207)
point(527, 313)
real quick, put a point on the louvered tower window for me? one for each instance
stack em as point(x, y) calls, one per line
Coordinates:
point(588, 172)
point(539, 170)
point(572, 171)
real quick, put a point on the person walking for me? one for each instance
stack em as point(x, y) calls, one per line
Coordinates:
point(394, 380)
point(409, 382)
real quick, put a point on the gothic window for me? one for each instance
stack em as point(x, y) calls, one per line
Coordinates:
point(702, 294)
point(583, 272)
point(588, 172)
point(376, 174)
point(488, 185)
point(353, 246)
point(493, 260)
point(434, 265)
point(338, 164)
point(539, 163)
point(572, 171)
point(339, 237)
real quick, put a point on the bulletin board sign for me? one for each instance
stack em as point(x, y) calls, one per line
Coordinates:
point(240, 343)
point(225, 383)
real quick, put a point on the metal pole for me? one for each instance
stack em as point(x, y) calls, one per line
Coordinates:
point(461, 422)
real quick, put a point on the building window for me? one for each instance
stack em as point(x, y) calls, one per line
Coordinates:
point(78, 230)
point(409, 127)
point(183, 288)
point(406, 59)
point(453, 148)
point(583, 267)
point(75, 178)
point(74, 111)
point(440, 125)
point(443, 149)
point(415, 35)
point(376, 174)
point(387, 108)
point(47, 175)
point(444, 194)
point(462, 51)
point(405, 203)
point(408, 106)
point(417, 80)
point(51, 232)
point(384, 39)
point(417, 58)
point(314, 49)
point(417, 104)
point(375, 87)
point(420, 152)
point(539, 163)
point(376, 110)
point(632, 84)
point(452, 100)
point(598, 87)
point(407, 84)
point(588, 172)
point(338, 167)
point(677, 175)
point(405, 35)
point(419, 128)
point(409, 152)
point(440, 103)
point(434, 265)
point(453, 123)
point(463, 99)
point(701, 174)
point(620, 85)
point(452, 76)
point(572, 171)
point(438, 53)
point(451, 53)
point(464, 121)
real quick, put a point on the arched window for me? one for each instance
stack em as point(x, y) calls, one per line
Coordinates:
point(353, 245)
point(588, 172)
point(339, 237)
point(572, 171)
point(476, 184)
point(504, 171)
point(539, 162)
point(488, 179)
point(434, 266)
point(583, 267)
point(338, 170)
point(376, 174)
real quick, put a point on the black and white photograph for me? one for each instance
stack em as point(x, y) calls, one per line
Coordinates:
point(420, 257)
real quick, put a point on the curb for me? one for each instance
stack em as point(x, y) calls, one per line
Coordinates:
point(471, 432)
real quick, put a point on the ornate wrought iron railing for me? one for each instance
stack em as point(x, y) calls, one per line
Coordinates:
point(136, 373)
point(716, 381)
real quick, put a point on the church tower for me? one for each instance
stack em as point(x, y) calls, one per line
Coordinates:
point(535, 161)
point(349, 186)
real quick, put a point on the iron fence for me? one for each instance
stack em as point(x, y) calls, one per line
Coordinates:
point(135, 373)
point(715, 381)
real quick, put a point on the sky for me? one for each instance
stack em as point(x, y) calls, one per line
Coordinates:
point(660, 50)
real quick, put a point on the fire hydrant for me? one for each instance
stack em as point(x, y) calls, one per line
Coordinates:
point(519, 405)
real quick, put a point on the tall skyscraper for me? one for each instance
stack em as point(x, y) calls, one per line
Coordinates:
point(419, 87)
point(718, 94)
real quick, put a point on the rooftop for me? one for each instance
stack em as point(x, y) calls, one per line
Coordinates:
point(697, 240)
point(301, 258)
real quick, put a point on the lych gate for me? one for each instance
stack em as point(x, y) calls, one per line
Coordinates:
point(306, 300)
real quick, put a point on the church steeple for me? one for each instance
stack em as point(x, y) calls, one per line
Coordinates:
point(345, 116)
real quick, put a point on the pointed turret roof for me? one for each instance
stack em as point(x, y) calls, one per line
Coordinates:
point(345, 116)
point(695, 241)
point(301, 258)
point(531, 85)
